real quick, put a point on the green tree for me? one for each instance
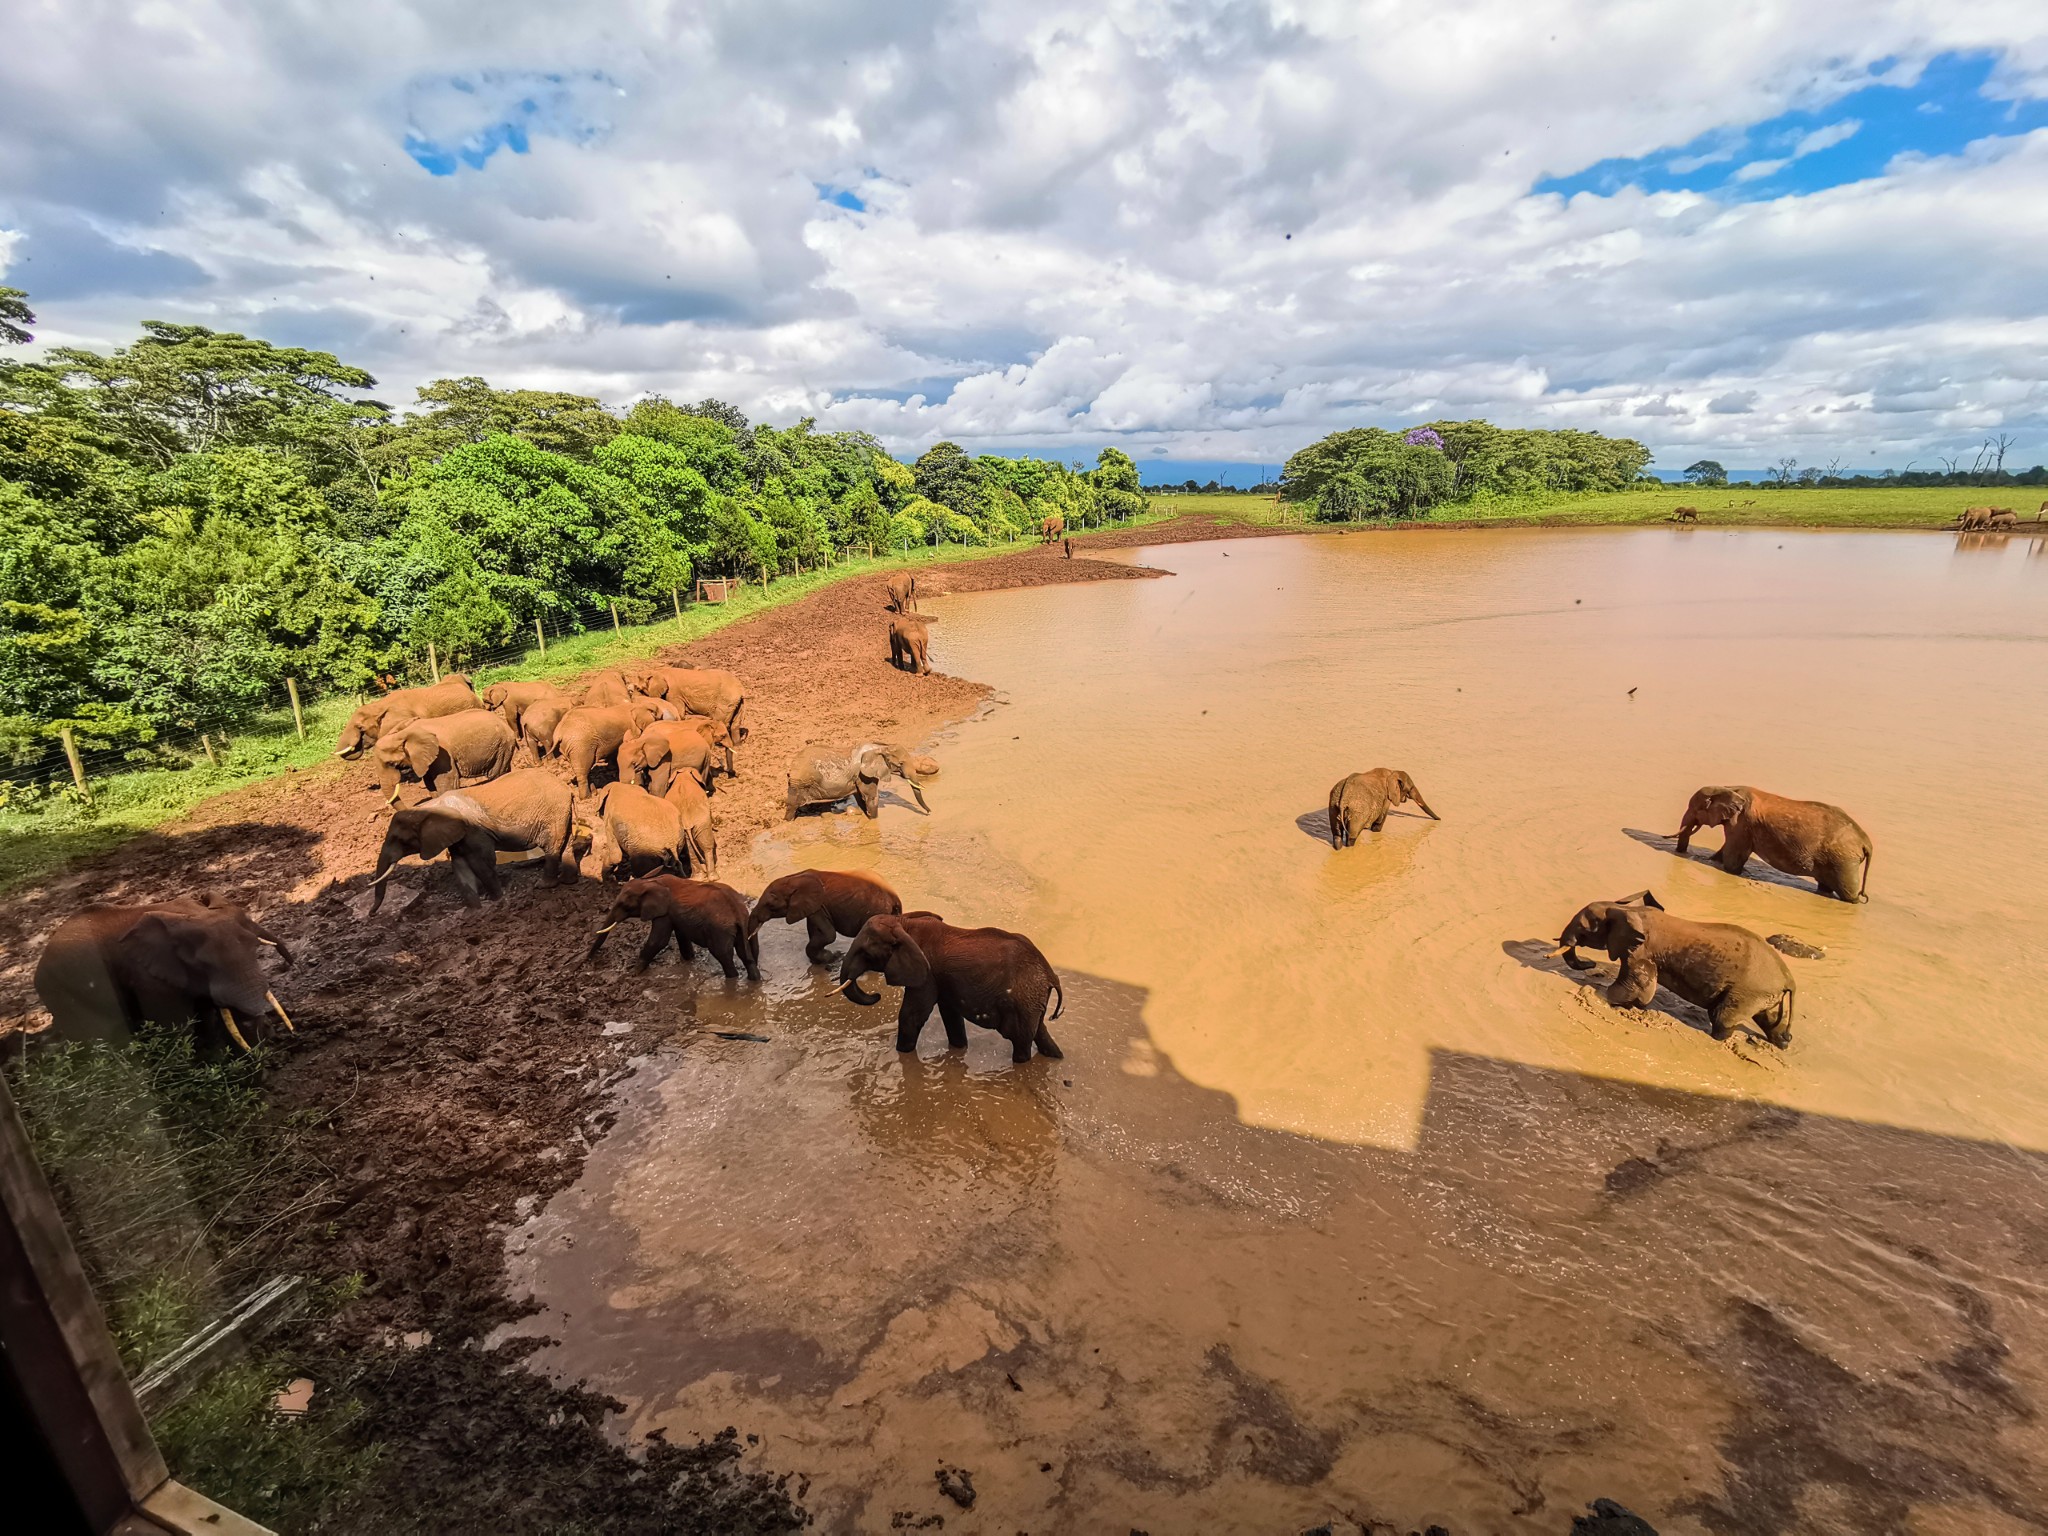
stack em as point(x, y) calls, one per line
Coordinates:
point(15, 316)
point(1115, 478)
point(1706, 472)
point(947, 476)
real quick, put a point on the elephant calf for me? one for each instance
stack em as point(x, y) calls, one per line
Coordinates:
point(1727, 970)
point(399, 708)
point(692, 912)
point(513, 700)
point(910, 637)
point(1360, 802)
point(982, 976)
point(526, 810)
point(446, 752)
point(828, 901)
point(637, 831)
point(821, 775)
point(106, 969)
point(1800, 837)
point(902, 593)
point(584, 737)
point(653, 758)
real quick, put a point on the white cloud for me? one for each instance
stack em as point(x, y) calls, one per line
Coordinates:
point(1826, 138)
point(1077, 216)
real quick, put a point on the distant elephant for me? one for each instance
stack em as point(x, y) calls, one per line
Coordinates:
point(820, 775)
point(1800, 837)
point(1051, 529)
point(106, 969)
point(902, 592)
point(512, 700)
point(692, 912)
point(2003, 517)
point(1360, 802)
point(827, 901)
point(526, 810)
point(700, 838)
point(1685, 514)
point(605, 690)
point(446, 752)
point(982, 976)
point(399, 708)
point(1973, 518)
point(909, 640)
point(652, 758)
point(637, 833)
point(716, 695)
point(1727, 970)
point(585, 737)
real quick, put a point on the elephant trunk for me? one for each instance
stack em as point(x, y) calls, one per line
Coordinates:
point(851, 969)
point(1423, 805)
point(919, 793)
point(1685, 832)
point(1569, 952)
point(854, 994)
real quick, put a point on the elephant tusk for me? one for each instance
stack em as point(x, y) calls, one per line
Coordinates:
point(228, 1018)
point(608, 927)
point(279, 1009)
point(385, 876)
point(1561, 949)
point(271, 942)
point(835, 991)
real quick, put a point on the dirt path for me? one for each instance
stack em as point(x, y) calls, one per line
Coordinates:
point(455, 1064)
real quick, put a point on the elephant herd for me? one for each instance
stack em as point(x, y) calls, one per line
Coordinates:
point(1735, 976)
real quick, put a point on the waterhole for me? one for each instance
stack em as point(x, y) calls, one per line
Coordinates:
point(1346, 1204)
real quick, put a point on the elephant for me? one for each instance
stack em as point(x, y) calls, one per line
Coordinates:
point(985, 976)
point(606, 689)
point(909, 640)
point(538, 720)
point(827, 901)
point(513, 700)
point(106, 969)
point(718, 696)
point(2003, 517)
point(446, 752)
point(526, 810)
point(1727, 970)
point(692, 912)
point(902, 592)
point(820, 775)
point(1973, 518)
point(1051, 529)
point(1685, 514)
point(399, 708)
point(1800, 837)
point(586, 736)
point(636, 828)
point(699, 837)
point(1361, 801)
point(652, 758)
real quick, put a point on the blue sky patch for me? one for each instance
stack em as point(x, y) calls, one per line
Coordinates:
point(841, 197)
point(1851, 139)
point(458, 120)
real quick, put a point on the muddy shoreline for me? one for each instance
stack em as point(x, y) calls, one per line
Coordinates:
point(451, 1069)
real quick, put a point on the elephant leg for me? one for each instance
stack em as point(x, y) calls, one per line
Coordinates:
point(910, 1019)
point(657, 941)
point(1636, 986)
point(1728, 1013)
point(749, 947)
point(821, 933)
point(1734, 852)
point(1019, 1032)
point(482, 863)
point(1336, 817)
point(659, 780)
point(955, 1022)
point(720, 945)
point(1776, 1020)
point(465, 880)
point(1043, 1039)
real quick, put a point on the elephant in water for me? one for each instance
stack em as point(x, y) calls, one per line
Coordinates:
point(399, 708)
point(1800, 837)
point(692, 912)
point(1727, 970)
point(828, 901)
point(910, 640)
point(106, 969)
point(527, 810)
point(983, 976)
point(1360, 802)
point(446, 752)
point(820, 775)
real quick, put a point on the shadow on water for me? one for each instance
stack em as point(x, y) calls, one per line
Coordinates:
point(1755, 870)
point(1316, 823)
point(1535, 954)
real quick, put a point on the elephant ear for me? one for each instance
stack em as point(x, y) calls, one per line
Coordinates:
point(439, 832)
point(421, 750)
point(871, 762)
point(804, 896)
point(1627, 931)
point(1643, 898)
point(603, 797)
point(907, 965)
point(166, 950)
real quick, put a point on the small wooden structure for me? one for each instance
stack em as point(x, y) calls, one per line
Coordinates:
point(714, 589)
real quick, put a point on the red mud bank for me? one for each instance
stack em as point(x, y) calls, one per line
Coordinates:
point(454, 1069)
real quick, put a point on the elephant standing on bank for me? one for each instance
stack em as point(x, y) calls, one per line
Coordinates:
point(525, 811)
point(1729, 971)
point(638, 833)
point(692, 912)
point(820, 775)
point(910, 639)
point(1799, 837)
point(716, 695)
point(513, 700)
point(106, 969)
point(902, 592)
point(585, 737)
point(399, 708)
point(827, 901)
point(1359, 802)
point(654, 757)
point(446, 752)
point(982, 976)
point(537, 723)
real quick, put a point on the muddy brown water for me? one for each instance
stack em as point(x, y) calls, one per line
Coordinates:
point(1346, 1205)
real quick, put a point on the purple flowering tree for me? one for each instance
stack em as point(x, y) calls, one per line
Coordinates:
point(1422, 437)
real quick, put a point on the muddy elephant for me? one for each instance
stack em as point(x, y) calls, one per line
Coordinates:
point(1359, 803)
point(820, 775)
point(827, 901)
point(1051, 530)
point(106, 969)
point(2002, 517)
point(902, 592)
point(537, 724)
point(637, 833)
point(700, 838)
point(513, 700)
point(1727, 970)
point(399, 708)
point(585, 737)
point(692, 912)
point(652, 758)
point(446, 752)
point(1971, 518)
point(605, 690)
point(910, 640)
point(529, 810)
point(718, 696)
point(1799, 837)
point(983, 976)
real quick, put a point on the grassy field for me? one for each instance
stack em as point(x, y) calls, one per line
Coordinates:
point(1729, 506)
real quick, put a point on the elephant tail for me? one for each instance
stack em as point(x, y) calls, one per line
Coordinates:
point(1863, 890)
point(737, 727)
point(1060, 993)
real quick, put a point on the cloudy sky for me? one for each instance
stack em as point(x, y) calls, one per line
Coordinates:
point(1205, 231)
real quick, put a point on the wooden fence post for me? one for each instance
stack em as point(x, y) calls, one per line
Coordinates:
point(615, 614)
point(206, 746)
point(291, 686)
point(77, 763)
point(676, 596)
point(540, 634)
point(433, 661)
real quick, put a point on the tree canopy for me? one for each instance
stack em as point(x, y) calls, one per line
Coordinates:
point(1372, 472)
